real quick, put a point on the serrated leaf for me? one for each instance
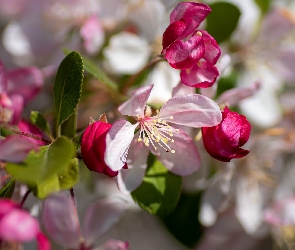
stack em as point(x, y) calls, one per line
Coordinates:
point(68, 87)
point(43, 164)
point(69, 126)
point(65, 179)
point(7, 190)
point(223, 20)
point(95, 71)
point(39, 121)
point(160, 191)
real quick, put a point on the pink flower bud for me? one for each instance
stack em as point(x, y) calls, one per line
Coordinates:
point(93, 147)
point(6, 108)
point(223, 142)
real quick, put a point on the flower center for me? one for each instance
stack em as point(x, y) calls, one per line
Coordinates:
point(156, 131)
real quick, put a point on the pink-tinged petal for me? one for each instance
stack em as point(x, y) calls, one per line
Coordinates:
point(18, 106)
point(234, 96)
point(25, 82)
point(201, 75)
point(281, 213)
point(43, 242)
point(283, 62)
point(31, 129)
point(185, 160)
point(92, 34)
point(173, 31)
point(6, 108)
point(101, 216)
point(60, 220)
point(135, 105)
point(192, 13)
point(15, 148)
point(6, 206)
point(131, 178)
point(184, 54)
point(191, 110)
point(3, 78)
point(118, 141)
point(212, 49)
point(115, 245)
point(182, 89)
point(18, 225)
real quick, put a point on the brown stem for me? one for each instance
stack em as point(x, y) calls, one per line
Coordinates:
point(132, 78)
point(24, 198)
point(36, 137)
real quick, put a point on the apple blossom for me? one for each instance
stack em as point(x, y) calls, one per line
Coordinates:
point(174, 148)
point(93, 147)
point(193, 51)
point(64, 227)
point(19, 226)
point(223, 141)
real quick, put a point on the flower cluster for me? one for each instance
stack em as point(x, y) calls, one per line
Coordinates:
point(193, 51)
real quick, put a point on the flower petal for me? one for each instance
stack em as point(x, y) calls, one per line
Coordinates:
point(101, 216)
point(192, 110)
point(43, 242)
point(173, 31)
point(18, 225)
point(212, 50)
point(118, 141)
point(201, 75)
point(3, 78)
point(184, 54)
point(192, 13)
point(15, 148)
point(135, 105)
point(18, 106)
point(25, 82)
point(131, 178)
point(182, 89)
point(115, 245)
point(185, 160)
point(61, 224)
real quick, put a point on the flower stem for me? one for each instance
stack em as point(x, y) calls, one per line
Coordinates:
point(16, 131)
point(24, 198)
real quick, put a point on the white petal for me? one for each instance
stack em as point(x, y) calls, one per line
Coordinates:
point(101, 216)
point(131, 178)
point(192, 110)
point(118, 141)
point(60, 223)
point(135, 105)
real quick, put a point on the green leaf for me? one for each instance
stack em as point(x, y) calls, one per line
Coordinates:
point(78, 139)
point(68, 87)
point(69, 126)
point(223, 20)
point(264, 5)
point(95, 71)
point(39, 121)
point(43, 164)
point(7, 190)
point(69, 177)
point(160, 191)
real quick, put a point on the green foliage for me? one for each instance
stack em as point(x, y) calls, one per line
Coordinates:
point(223, 20)
point(68, 87)
point(39, 121)
point(160, 190)
point(95, 71)
point(263, 5)
point(7, 190)
point(48, 170)
point(69, 126)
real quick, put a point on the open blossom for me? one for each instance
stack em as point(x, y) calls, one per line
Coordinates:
point(19, 226)
point(223, 142)
point(93, 147)
point(62, 224)
point(193, 51)
point(173, 147)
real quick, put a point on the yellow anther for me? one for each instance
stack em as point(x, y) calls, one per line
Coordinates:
point(171, 117)
point(139, 139)
point(172, 151)
point(199, 33)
